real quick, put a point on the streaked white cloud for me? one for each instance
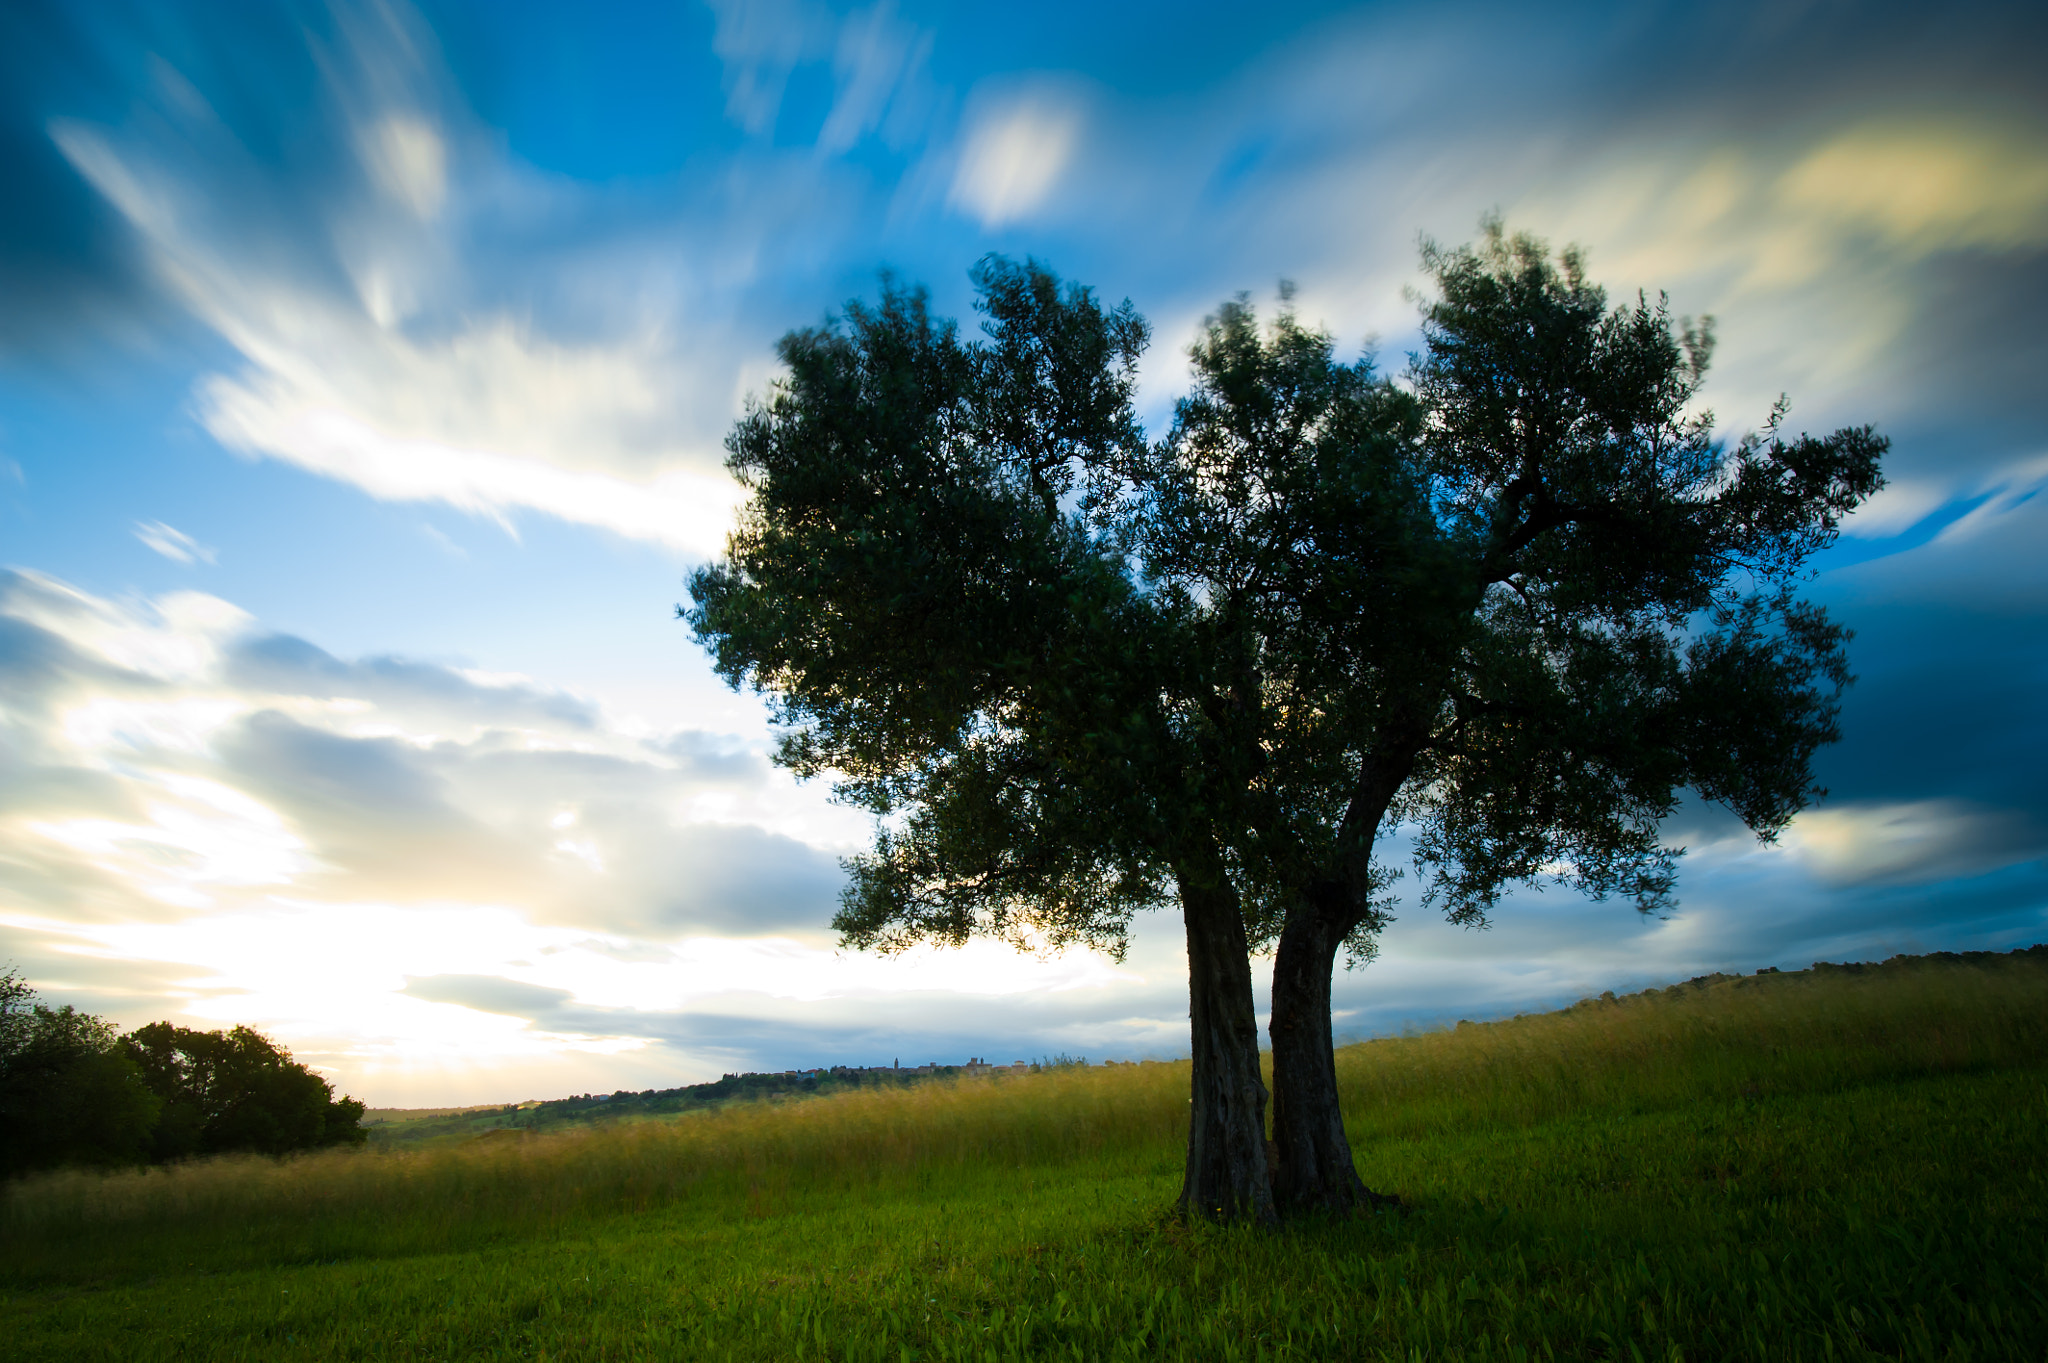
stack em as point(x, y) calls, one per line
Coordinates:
point(878, 64)
point(484, 415)
point(1910, 842)
point(175, 637)
point(761, 42)
point(877, 60)
point(419, 380)
point(1982, 562)
point(1809, 250)
point(408, 160)
point(384, 345)
point(195, 835)
point(1927, 184)
point(1899, 505)
point(172, 543)
point(515, 447)
point(2000, 496)
point(200, 756)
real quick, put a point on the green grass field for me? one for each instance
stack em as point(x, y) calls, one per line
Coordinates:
point(1823, 1165)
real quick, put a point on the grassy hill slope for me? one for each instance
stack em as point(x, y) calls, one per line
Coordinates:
point(1837, 1163)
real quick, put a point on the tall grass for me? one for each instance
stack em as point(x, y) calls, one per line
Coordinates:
point(1823, 1166)
point(767, 1153)
point(1742, 1037)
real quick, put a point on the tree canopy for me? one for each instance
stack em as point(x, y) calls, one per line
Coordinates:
point(236, 1090)
point(74, 1091)
point(67, 1094)
point(1519, 601)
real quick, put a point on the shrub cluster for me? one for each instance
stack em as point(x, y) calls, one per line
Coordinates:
point(74, 1091)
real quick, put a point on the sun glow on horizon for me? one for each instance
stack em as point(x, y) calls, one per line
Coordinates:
point(343, 982)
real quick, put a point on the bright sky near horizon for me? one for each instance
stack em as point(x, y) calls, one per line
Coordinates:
point(364, 369)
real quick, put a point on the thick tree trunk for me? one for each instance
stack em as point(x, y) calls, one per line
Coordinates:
point(1313, 1167)
point(1226, 1173)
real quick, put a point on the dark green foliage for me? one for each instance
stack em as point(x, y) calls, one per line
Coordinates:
point(1524, 605)
point(1633, 626)
point(73, 1091)
point(67, 1093)
point(933, 623)
point(236, 1090)
point(1526, 600)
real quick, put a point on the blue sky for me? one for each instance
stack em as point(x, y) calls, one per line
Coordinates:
point(363, 376)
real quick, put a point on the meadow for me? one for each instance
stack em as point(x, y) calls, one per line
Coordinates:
point(1842, 1163)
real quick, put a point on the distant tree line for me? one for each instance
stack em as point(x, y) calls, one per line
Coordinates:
point(74, 1091)
point(581, 1109)
point(587, 1109)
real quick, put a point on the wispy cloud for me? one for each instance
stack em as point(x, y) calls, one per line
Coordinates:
point(1912, 842)
point(408, 159)
point(415, 322)
point(762, 42)
point(878, 63)
point(877, 60)
point(1014, 153)
point(375, 354)
point(172, 543)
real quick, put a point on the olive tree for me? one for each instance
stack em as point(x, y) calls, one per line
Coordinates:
point(1519, 602)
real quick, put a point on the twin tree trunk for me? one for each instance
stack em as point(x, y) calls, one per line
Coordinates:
point(1232, 1172)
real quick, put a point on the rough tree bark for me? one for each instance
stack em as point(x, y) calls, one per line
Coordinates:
point(1313, 1169)
point(1313, 1166)
point(1226, 1170)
